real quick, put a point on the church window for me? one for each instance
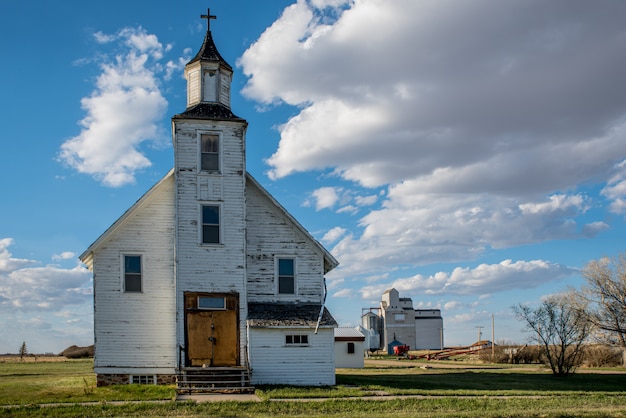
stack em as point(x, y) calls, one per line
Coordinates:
point(210, 224)
point(132, 273)
point(210, 152)
point(286, 276)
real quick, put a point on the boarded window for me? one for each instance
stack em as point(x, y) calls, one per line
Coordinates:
point(210, 152)
point(132, 273)
point(286, 276)
point(210, 224)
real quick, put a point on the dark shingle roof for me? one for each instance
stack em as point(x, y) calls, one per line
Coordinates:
point(208, 51)
point(288, 314)
point(208, 111)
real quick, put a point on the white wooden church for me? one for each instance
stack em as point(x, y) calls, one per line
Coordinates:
point(207, 272)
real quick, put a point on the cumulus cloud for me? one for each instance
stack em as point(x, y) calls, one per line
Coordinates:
point(451, 88)
point(485, 278)
point(333, 235)
point(481, 120)
point(123, 111)
point(325, 197)
point(7, 262)
point(65, 255)
point(27, 287)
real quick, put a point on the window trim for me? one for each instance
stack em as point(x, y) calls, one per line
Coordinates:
point(277, 275)
point(298, 337)
point(123, 271)
point(201, 224)
point(351, 348)
point(219, 152)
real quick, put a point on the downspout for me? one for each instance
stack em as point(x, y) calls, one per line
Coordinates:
point(319, 318)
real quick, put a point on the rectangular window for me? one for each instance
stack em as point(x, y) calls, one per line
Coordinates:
point(300, 340)
point(132, 273)
point(210, 152)
point(350, 348)
point(142, 380)
point(210, 224)
point(207, 302)
point(286, 276)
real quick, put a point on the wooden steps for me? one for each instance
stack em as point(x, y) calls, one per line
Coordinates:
point(214, 379)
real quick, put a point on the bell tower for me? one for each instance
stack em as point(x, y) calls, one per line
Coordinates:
point(208, 74)
point(210, 181)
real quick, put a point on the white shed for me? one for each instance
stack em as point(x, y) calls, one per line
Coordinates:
point(349, 348)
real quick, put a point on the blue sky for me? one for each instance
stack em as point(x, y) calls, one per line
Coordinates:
point(470, 154)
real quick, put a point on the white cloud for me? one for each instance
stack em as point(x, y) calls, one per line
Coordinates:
point(65, 255)
point(7, 262)
point(333, 235)
point(480, 119)
point(122, 112)
point(483, 279)
point(326, 197)
point(366, 200)
point(46, 288)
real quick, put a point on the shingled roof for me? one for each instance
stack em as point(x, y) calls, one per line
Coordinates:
point(208, 51)
point(264, 315)
point(208, 111)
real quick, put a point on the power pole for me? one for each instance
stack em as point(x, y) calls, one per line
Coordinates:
point(493, 338)
point(480, 332)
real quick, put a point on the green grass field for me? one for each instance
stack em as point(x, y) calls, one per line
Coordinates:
point(408, 390)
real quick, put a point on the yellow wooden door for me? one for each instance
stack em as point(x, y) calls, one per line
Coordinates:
point(212, 337)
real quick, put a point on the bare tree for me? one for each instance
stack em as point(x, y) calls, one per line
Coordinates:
point(23, 351)
point(604, 297)
point(560, 329)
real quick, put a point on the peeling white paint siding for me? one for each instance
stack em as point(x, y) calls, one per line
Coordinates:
point(145, 319)
point(276, 363)
point(210, 267)
point(271, 235)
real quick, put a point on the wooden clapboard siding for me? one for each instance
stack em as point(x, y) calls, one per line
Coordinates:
point(135, 329)
point(271, 234)
point(210, 267)
point(275, 363)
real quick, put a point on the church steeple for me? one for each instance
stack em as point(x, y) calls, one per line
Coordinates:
point(208, 74)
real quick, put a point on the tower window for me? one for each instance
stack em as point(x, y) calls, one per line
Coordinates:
point(211, 224)
point(210, 152)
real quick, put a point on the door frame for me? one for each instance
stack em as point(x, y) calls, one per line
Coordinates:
point(191, 305)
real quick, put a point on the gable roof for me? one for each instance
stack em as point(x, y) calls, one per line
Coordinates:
point(87, 256)
point(330, 262)
point(348, 334)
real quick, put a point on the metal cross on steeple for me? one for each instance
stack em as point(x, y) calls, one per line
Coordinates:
point(208, 16)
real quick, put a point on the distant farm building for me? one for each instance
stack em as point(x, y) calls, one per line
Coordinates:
point(349, 348)
point(396, 322)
